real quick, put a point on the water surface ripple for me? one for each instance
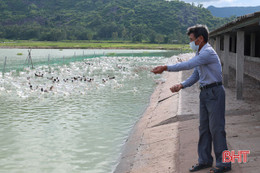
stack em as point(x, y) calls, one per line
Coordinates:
point(76, 123)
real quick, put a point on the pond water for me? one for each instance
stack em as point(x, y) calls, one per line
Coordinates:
point(72, 116)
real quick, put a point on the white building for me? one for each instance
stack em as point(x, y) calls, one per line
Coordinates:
point(238, 46)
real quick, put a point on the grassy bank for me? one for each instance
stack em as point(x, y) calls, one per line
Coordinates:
point(89, 45)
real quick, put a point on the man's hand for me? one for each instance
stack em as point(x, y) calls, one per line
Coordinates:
point(159, 69)
point(176, 88)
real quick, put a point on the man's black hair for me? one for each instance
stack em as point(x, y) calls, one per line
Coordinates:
point(199, 30)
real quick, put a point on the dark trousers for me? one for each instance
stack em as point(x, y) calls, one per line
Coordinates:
point(212, 125)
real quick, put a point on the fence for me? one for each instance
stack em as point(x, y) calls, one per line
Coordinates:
point(10, 63)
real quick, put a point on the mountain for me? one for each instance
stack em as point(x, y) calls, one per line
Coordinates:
point(137, 20)
point(232, 11)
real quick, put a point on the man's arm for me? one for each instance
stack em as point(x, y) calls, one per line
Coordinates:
point(192, 79)
point(187, 83)
point(203, 58)
point(159, 69)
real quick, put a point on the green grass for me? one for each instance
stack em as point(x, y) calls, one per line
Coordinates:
point(89, 45)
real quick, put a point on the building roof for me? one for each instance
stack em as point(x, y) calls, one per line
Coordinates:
point(239, 23)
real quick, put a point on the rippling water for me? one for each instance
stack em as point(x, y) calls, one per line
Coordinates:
point(76, 117)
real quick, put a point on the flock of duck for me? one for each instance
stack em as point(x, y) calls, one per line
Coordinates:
point(53, 79)
point(78, 76)
point(70, 79)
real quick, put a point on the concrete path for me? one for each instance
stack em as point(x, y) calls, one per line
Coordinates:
point(152, 144)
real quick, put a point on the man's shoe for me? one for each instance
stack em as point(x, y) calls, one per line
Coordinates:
point(198, 167)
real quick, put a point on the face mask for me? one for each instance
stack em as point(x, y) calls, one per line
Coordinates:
point(193, 46)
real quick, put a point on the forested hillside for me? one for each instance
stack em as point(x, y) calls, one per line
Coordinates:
point(137, 20)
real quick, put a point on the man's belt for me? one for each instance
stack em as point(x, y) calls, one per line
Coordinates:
point(210, 85)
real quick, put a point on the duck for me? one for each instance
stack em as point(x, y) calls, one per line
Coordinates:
point(113, 77)
point(38, 75)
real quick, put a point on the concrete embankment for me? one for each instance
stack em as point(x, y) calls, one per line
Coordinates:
point(165, 139)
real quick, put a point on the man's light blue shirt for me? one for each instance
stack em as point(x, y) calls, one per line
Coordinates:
point(206, 64)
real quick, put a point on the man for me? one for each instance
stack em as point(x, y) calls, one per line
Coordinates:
point(207, 70)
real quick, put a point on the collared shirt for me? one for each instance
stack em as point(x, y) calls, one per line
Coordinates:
point(206, 64)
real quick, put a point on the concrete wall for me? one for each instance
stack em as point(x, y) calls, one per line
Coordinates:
point(251, 64)
point(231, 49)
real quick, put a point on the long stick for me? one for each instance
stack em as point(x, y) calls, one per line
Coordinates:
point(4, 66)
point(167, 98)
point(30, 56)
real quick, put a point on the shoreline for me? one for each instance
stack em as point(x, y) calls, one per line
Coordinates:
point(152, 145)
point(54, 47)
point(25, 44)
point(143, 150)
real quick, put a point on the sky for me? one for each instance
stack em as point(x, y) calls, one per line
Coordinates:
point(226, 3)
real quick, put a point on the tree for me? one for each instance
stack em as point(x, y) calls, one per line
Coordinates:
point(137, 20)
point(159, 38)
point(114, 35)
point(138, 38)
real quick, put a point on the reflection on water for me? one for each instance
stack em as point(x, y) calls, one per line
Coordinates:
point(74, 117)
